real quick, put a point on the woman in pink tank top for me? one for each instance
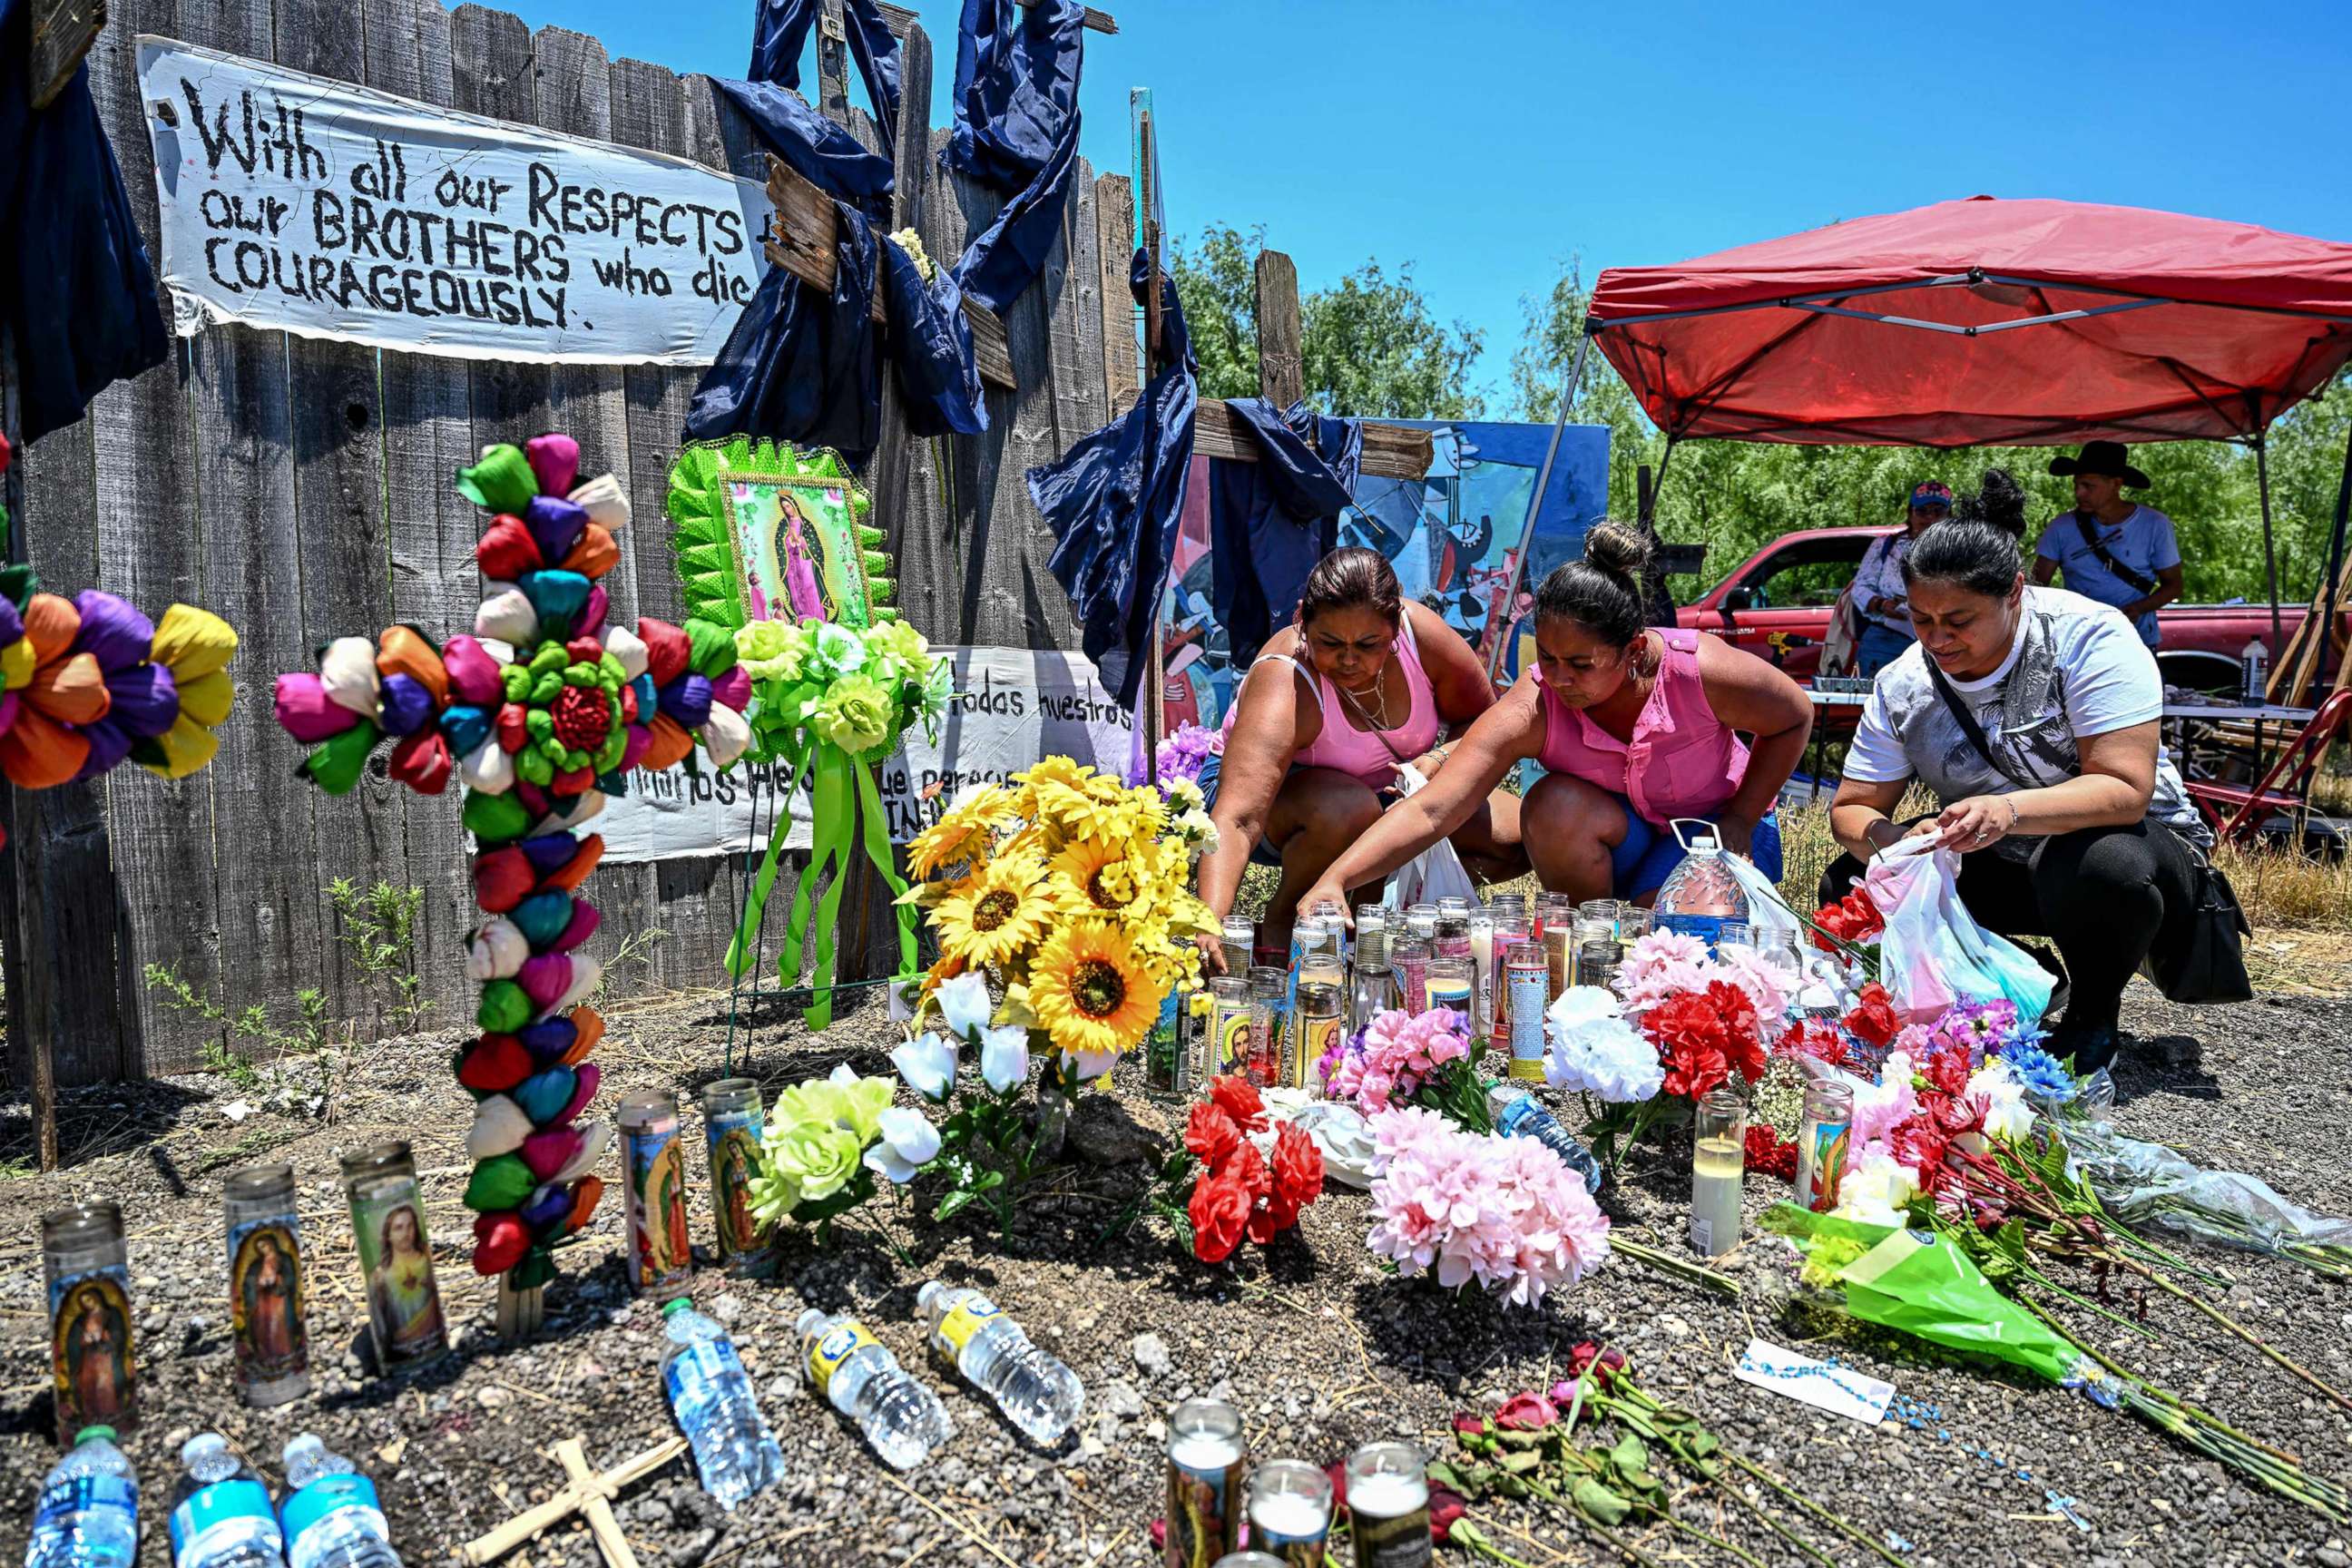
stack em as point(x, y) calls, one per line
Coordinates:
point(1634, 728)
point(1335, 705)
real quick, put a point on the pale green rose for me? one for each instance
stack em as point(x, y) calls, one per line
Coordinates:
point(761, 639)
point(854, 714)
point(895, 651)
point(939, 690)
point(816, 1102)
point(818, 1160)
point(861, 1102)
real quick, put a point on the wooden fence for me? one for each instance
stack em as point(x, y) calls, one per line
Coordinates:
point(301, 489)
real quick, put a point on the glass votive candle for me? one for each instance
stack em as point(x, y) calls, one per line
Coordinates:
point(1387, 1506)
point(1289, 1510)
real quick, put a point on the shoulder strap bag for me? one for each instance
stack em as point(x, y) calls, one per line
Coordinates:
point(2199, 956)
point(2139, 580)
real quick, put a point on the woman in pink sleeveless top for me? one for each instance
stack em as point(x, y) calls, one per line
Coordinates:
point(1634, 728)
point(1334, 706)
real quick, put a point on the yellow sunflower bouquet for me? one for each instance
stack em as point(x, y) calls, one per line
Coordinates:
point(1063, 921)
point(1069, 891)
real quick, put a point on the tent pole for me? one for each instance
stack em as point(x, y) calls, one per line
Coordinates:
point(1498, 611)
point(2326, 666)
point(2270, 546)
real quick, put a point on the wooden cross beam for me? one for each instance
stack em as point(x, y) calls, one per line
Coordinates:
point(589, 1495)
point(801, 241)
point(59, 33)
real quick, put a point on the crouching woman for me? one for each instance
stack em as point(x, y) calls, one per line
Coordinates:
point(2033, 716)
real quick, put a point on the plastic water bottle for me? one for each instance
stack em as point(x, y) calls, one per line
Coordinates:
point(1038, 1394)
point(1519, 1114)
point(1701, 894)
point(87, 1513)
point(331, 1514)
point(903, 1419)
point(711, 1395)
point(221, 1514)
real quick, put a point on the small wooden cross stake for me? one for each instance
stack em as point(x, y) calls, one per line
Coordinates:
point(590, 1495)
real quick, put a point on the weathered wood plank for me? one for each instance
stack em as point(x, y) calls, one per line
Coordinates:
point(490, 55)
point(1390, 451)
point(1074, 316)
point(151, 553)
point(1281, 353)
point(59, 33)
point(802, 241)
point(345, 567)
point(1012, 599)
point(574, 96)
point(427, 437)
point(693, 900)
point(1115, 253)
point(273, 933)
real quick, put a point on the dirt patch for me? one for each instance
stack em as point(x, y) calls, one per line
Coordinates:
point(1321, 1348)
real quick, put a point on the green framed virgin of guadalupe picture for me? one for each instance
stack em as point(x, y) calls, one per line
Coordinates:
point(765, 533)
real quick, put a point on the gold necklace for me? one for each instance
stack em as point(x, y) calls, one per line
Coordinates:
point(1380, 722)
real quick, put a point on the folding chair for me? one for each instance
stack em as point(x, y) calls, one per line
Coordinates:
point(2244, 813)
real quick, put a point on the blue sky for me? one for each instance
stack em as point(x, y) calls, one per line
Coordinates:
point(1488, 142)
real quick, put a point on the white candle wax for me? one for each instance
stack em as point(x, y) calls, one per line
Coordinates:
point(1289, 1516)
point(1385, 1494)
point(1203, 1453)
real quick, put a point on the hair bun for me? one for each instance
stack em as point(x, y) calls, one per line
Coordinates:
point(1999, 500)
point(1619, 550)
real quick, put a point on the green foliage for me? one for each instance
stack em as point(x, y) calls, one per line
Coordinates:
point(1735, 496)
point(252, 1024)
point(378, 931)
point(1372, 344)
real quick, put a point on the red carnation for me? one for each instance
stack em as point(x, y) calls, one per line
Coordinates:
point(1853, 919)
point(583, 717)
point(1874, 1019)
point(1219, 1209)
point(1769, 1153)
point(1743, 1035)
point(1298, 1167)
point(1210, 1135)
point(1812, 1037)
point(1247, 1166)
point(1947, 1069)
point(1237, 1097)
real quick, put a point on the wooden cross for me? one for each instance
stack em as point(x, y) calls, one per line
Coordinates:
point(589, 1495)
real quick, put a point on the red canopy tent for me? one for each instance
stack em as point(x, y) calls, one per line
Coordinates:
point(1987, 321)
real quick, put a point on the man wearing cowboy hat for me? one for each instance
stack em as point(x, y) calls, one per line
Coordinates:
point(2115, 550)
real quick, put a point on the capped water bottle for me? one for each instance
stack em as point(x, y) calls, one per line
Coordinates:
point(712, 1397)
point(1037, 1394)
point(87, 1513)
point(331, 1515)
point(903, 1419)
point(1701, 895)
point(1519, 1114)
point(221, 1514)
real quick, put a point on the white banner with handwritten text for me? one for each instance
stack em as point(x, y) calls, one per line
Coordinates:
point(298, 204)
point(1012, 707)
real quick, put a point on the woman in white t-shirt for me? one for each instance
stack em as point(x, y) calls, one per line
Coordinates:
point(2055, 786)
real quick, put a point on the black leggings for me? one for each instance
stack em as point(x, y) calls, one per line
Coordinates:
point(2105, 895)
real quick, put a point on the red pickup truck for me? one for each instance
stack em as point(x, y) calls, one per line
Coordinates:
point(1777, 605)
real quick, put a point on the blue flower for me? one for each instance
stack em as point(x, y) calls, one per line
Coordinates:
point(2042, 1076)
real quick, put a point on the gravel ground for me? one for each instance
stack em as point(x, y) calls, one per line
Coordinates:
point(1320, 1349)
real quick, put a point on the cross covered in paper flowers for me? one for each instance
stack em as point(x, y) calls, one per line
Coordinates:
point(536, 712)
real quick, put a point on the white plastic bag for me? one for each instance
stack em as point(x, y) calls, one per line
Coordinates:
point(1436, 872)
point(1934, 955)
point(1767, 913)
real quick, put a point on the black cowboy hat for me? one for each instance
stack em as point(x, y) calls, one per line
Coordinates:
point(2109, 457)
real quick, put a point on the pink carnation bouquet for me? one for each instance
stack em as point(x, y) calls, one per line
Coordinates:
point(1503, 1213)
point(1389, 1060)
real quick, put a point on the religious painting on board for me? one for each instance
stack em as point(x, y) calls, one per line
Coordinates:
point(776, 535)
